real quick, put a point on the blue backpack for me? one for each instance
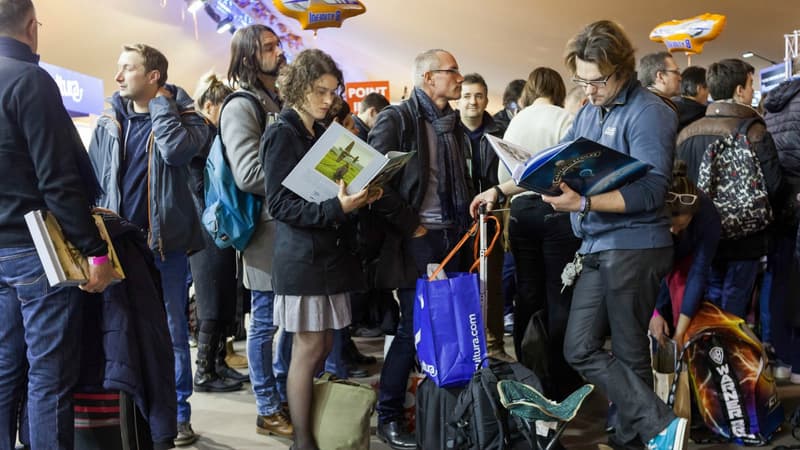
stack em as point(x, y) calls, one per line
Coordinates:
point(231, 215)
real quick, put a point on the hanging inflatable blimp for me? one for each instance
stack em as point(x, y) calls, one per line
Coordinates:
point(316, 14)
point(689, 35)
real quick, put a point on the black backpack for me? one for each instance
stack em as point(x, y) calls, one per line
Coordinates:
point(479, 419)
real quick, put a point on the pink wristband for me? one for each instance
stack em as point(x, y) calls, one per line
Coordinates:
point(98, 260)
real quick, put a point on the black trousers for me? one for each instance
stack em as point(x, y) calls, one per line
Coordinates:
point(214, 276)
point(543, 243)
point(616, 294)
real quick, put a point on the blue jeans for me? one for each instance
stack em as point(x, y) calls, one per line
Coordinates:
point(259, 353)
point(730, 285)
point(280, 365)
point(39, 327)
point(174, 272)
point(430, 248)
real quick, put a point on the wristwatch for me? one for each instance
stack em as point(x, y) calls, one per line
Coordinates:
point(501, 197)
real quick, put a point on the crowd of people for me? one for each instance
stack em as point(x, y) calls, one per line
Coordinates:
point(649, 252)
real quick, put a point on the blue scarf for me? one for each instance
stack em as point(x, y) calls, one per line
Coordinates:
point(453, 187)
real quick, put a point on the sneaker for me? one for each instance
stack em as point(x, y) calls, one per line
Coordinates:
point(508, 324)
point(794, 378)
point(782, 371)
point(671, 438)
point(186, 435)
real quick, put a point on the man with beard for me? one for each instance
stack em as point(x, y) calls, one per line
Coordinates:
point(140, 152)
point(256, 58)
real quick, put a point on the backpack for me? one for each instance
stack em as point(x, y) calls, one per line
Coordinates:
point(231, 215)
point(736, 394)
point(479, 420)
point(730, 173)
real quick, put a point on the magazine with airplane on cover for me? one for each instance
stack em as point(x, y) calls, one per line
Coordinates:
point(587, 167)
point(340, 155)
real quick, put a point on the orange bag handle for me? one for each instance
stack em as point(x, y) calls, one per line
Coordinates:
point(473, 230)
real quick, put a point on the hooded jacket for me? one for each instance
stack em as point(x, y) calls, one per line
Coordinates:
point(783, 122)
point(178, 132)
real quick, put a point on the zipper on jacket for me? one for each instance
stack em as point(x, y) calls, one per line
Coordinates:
point(124, 144)
point(150, 145)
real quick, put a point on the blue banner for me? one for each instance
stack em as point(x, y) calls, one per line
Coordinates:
point(82, 94)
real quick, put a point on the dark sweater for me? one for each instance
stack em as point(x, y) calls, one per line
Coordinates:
point(44, 164)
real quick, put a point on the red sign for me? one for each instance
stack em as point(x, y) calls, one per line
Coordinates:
point(355, 92)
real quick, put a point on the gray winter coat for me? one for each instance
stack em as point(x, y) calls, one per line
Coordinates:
point(177, 133)
point(241, 133)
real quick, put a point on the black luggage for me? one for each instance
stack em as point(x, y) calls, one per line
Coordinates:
point(471, 417)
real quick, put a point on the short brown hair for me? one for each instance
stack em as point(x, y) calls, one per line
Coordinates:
point(603, 43)
point(297, 78)
point(153, 60)
point(724, 76)
point(474, 78)
point(12, 16)
point(545, 82)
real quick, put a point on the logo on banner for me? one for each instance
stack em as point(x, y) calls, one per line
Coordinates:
point(356, 92)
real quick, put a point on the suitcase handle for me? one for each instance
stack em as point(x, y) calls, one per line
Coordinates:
point(470, 233)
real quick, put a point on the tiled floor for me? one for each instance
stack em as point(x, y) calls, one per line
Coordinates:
point(227, 421)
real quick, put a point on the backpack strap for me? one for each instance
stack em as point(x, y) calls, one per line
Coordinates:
point(262, 115)
point(406, 132)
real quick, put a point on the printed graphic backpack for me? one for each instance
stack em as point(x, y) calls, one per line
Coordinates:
point(231, 215)
point(731, 175)
point(735, 393)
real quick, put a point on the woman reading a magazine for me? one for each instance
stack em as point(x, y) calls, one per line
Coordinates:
point(314, 265)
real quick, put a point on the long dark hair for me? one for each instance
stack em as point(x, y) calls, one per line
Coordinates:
point(244, 68)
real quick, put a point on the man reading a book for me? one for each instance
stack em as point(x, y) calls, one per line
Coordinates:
point(626, 244)
point(44, 167)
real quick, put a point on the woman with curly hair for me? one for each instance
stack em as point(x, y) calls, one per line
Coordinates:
point(315, 262)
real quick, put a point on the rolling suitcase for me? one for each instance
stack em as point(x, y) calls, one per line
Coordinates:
point(106, 420)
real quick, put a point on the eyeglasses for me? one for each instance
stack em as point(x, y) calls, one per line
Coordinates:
point(452, 71)
point(683, 199)
point(594, 83)
point(675, 71)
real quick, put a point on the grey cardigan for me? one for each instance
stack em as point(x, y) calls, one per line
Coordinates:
point(241, 134)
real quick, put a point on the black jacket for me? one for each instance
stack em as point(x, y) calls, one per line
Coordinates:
point(402, 127)
point(489, 160)
point(44, 164)
point(315, 250)
point(689, 110)
point(783, 122)
point(722, 119)
point(126, 341)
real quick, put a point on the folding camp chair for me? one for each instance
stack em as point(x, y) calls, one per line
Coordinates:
point(529, 405)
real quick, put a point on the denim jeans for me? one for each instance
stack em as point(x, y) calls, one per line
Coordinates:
point(280, 365)
point(174, 269)
point(730, 285)
point(39, 327)
point(430, 248)
point(616, 293)
point(259, 353)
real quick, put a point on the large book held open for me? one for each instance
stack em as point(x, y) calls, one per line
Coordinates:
point(64, 264)
point(587, 167)
point(340, 155)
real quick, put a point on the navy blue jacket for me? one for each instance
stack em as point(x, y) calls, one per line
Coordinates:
point(129, 321)
point(44, 164)
point(699, 240)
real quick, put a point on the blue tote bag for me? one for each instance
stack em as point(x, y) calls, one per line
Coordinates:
point(448, 324)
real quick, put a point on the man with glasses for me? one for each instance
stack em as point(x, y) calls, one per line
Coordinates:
point(256, 58)
point(44, 167)
point(426, 207)
point(627, 246)
point(659, 73)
